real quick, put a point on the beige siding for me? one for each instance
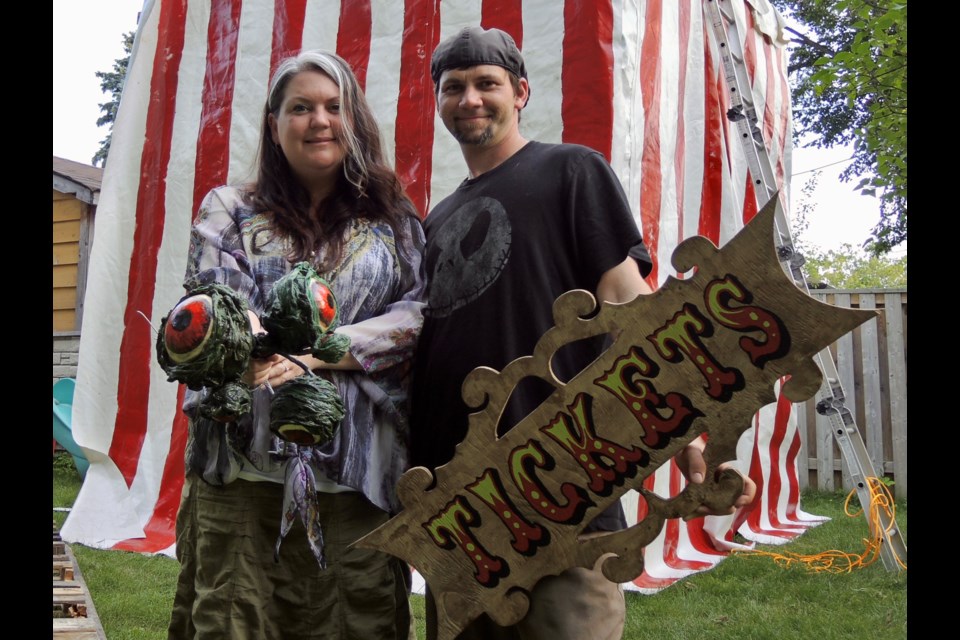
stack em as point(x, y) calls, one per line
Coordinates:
point(65, 275)
point(63, 318)
point(67, 214)
point(65, 253)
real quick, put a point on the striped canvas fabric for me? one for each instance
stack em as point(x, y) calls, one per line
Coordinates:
point(638, 81)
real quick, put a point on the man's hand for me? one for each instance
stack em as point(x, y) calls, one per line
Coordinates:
point(694, 467)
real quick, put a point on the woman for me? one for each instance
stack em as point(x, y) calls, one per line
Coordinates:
point(325, 195)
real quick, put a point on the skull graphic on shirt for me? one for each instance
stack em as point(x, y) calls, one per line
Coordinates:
point(468, 253)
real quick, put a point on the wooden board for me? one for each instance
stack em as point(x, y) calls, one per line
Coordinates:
point(74, 616)
point(75, 629)
point(67, 252)
point(897, 357)
point(67, 594)
point(64, 232)
point(701, 355)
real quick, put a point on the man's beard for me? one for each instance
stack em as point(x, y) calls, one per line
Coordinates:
point(473, 136)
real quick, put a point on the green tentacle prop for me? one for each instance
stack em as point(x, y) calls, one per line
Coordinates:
point(306, 411)
point(207, 341)
point(302, 312)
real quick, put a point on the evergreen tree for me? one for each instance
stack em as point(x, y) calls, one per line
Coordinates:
point(112, 82)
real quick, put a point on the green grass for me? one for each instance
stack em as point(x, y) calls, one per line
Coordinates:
point(132, 592)
point(744, 598)
point(752, 597)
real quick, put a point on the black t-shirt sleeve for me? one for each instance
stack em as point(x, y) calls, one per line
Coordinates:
point(605, 229)
point(639, 253)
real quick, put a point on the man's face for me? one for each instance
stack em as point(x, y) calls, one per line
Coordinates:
point(479, 105)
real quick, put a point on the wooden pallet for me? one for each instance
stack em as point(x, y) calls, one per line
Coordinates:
point(74, 617)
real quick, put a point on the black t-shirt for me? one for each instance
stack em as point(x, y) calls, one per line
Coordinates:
point(500, 250)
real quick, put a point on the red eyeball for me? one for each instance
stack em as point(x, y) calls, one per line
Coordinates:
point(188, 328)
point(325, 302)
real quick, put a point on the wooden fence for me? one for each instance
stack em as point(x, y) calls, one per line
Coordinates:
point(872, 364)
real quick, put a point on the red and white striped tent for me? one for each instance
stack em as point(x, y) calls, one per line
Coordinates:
point(639, 81)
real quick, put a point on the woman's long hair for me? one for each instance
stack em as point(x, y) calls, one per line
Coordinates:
point(366, 187)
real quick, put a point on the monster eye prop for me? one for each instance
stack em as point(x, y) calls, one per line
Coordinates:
point(306, 411)
point(206, 342)
point(188, 328)
point(326, 304)
point(301, 315)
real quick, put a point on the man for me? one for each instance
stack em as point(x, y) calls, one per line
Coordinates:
point(530, 222)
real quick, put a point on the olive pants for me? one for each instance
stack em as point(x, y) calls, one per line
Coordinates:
point(230, 587)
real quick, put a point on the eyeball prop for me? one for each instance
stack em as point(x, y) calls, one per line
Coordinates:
point(325, 304)
point(301, 314)
point(226, 403)
point(206, 343)
point(306, 411)
point(206, 340)
point(188, 328)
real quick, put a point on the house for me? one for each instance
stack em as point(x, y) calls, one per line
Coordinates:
point(76, 191)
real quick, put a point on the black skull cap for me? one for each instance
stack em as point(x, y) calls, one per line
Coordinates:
point(476, 45)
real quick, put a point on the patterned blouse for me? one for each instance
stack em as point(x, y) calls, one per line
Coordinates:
point(379, 285)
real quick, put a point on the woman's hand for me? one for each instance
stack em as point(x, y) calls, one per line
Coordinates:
point(283, 370)
point(262, 370)
point(274, 371)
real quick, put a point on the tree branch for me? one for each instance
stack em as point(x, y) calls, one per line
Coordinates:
point(807, 41)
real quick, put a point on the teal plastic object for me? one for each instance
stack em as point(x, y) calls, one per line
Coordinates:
point(62, 423)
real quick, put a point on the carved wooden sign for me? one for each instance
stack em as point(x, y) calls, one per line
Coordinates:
point(700, 355)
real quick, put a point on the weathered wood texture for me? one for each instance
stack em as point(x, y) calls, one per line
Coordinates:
point(872, 363)
point(74, 616)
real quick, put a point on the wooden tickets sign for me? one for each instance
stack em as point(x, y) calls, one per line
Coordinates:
point(701, 355)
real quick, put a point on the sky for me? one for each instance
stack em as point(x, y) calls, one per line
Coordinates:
point(88, 37)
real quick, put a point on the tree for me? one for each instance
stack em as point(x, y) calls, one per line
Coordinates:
point(847, 268)
point(112, 82)
point(849, 67)
point(853, 268)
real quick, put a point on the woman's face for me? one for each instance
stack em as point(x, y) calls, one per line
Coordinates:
point(307, 127)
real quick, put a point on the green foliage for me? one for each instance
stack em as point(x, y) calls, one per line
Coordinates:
point(66, 486)
point(849, 70)
point(847, 268)
point(63, 460)
point(112, 82)
point(853, 268)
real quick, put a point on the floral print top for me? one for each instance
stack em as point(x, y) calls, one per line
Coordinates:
point(379, 285)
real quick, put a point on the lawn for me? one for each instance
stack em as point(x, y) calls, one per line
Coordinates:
point(746, 597)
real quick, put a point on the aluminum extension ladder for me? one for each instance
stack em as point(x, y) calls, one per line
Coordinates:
point(830, 398)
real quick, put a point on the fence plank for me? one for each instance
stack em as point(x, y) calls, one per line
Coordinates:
point(800, 412)
point(879, 408)
point(824, 454)
point(872, 398)
point(846, 359)
point(846, 369)
point(897, 362)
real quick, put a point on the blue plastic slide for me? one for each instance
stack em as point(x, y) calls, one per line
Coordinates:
point(62, 418)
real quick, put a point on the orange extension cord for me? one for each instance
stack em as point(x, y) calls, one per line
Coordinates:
point(833, 561)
